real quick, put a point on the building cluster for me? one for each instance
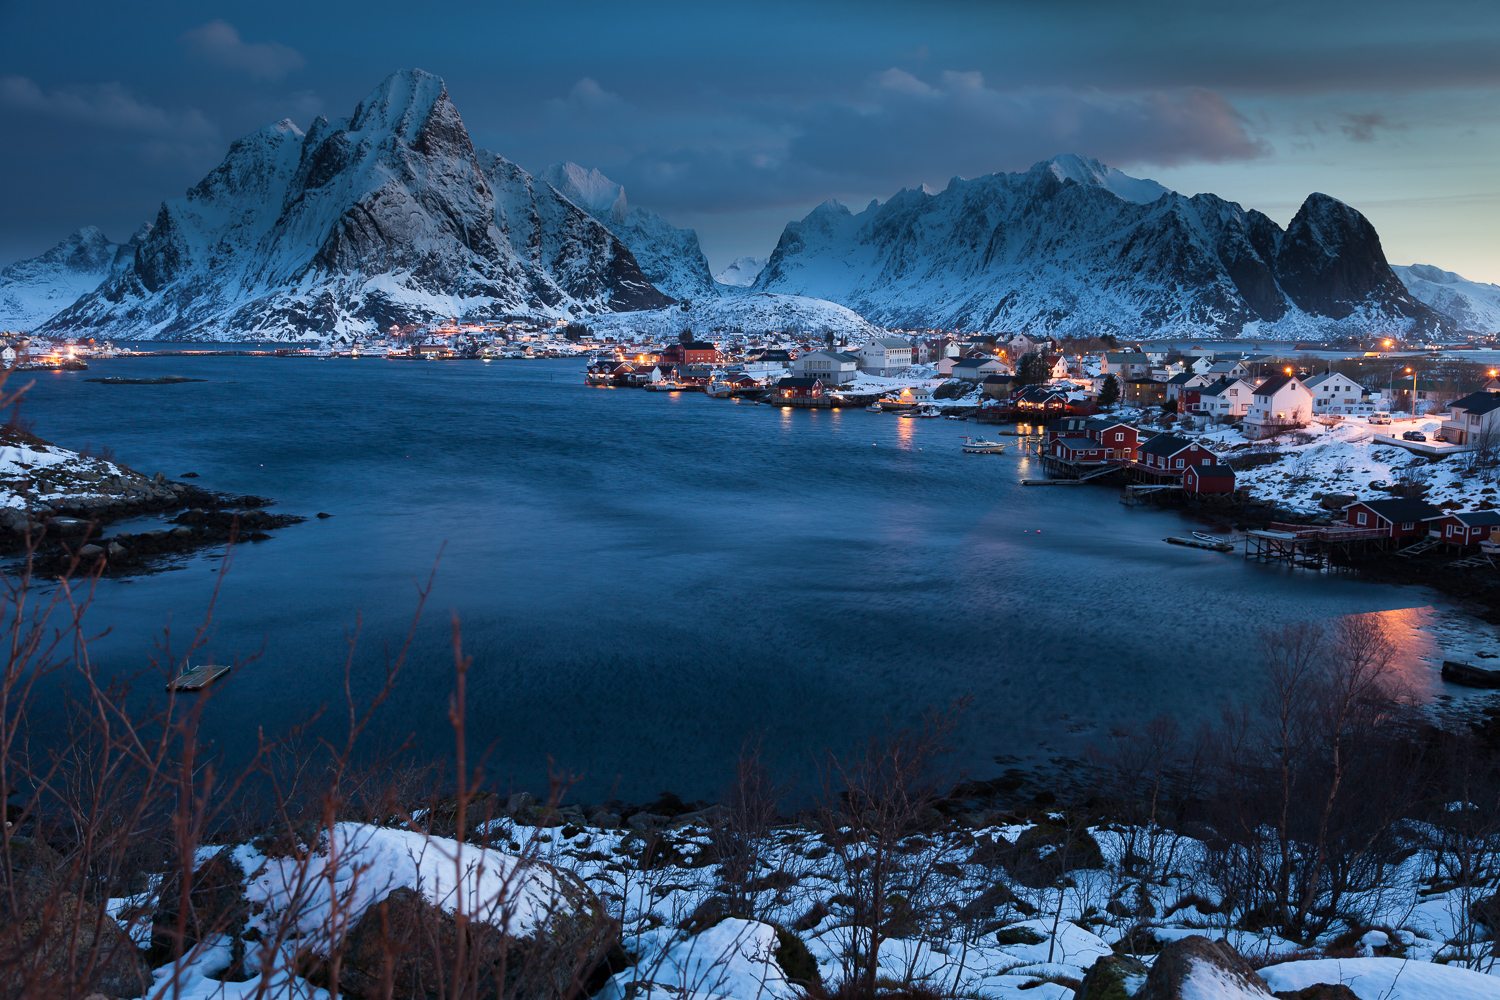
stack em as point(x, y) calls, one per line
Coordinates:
point(23, 352)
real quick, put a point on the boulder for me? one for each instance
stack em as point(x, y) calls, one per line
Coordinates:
point(1044, 853)
point(1197, 966)
point(1322, 991)
point(405, 947)
point(1112, 977)
point(56, 942)
point(216, 905)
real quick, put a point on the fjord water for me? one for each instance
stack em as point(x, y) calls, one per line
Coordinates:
point(646, 581)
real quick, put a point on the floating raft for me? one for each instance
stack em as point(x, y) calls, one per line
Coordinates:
point(1468, 675)
point(1199, 543)
point(197, 678)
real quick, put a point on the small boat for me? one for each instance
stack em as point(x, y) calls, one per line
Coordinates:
point(929, 411)
point(954, 416)
point(979, 446)
point(908, 414)
point(1204, 536)
point(875, 407)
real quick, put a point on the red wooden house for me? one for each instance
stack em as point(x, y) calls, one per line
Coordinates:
point(1079, 450)
point(694, 352)
point(1465, 528)
point(1168, 456)
point(1398, 518)
point(799, 387)
point(1208, 480)
point(1119, 439)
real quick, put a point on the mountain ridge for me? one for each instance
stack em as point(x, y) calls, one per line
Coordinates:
point(1058, 249)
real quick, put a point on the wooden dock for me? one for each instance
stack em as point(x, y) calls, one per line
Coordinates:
point(1052, 482)
point(197, 678)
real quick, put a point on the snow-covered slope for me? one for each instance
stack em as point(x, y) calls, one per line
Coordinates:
point(389, 216)
point(1474, 306)
point(669, 257)
point(752, 312)
point(742, 272)
point(32, 290)
point(1074, 247)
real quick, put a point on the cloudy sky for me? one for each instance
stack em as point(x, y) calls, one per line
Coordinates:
point(734, 118)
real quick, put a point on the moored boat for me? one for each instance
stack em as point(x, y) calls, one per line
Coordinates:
point(979, 446)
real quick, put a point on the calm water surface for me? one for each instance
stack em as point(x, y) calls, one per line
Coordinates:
point(645, 581)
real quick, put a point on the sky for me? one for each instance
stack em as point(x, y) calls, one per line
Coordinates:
point(736, 118)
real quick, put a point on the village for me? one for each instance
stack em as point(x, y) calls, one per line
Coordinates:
point(1327, 458)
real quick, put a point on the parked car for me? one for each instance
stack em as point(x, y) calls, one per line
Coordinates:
point(1414, 436)
point(1380, 417)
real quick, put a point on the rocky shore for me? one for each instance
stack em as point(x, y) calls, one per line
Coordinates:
point(59, 504)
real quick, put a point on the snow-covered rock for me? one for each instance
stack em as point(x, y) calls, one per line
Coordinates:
point(670, 257)
point(388, 216)
point(733, 960)
point(1474, 306)
point(758, 312)
point(32, 290)
point(741, 272)
point(359, 865)
point(1385, 979)
point(1073, 247)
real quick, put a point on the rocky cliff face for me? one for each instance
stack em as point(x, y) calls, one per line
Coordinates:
point(34, 289)
point(670, 257)
point(1474, 306)
point(1074, 247)
point(389, 216)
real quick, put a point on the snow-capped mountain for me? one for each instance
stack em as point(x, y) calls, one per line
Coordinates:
point(751, 312)
point(389, 216)
point(1474, 306)
point(741, 272)
point(34, 289)
point(1074, 247)
point(669, 256)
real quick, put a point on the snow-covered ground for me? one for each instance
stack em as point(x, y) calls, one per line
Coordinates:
point(33, 473)
point(1346, 458)
point(972, 929)
point(757, 312)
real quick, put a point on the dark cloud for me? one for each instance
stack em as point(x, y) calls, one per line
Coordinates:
point(896, 129)
point(1362, 127)
point(219, 43)
point(105, 105)
point(908, 128)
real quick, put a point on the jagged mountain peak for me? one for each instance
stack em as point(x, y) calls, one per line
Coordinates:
point(401, 104)
point(589, 189)
point(1089, 172)
point(389, 216)
point(669, 256)
point(1072, 246)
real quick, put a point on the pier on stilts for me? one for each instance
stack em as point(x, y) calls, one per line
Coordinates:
point(1317, 547)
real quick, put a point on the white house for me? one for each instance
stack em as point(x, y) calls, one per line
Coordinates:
point(1126, 365)
point(1474, 420)
point(1183, 381)
point(831, 367)
point(1227, 369)
point(1278, 404)
point(977, 369)
point(1335, 392)
point(885, 356)
point(8, 357)
point(1226, 399)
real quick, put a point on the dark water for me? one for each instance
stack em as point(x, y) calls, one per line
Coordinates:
point(644, 580)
